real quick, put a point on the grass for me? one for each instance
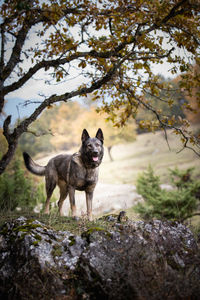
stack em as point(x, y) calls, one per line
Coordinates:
point(77, 227)
point(54, 221)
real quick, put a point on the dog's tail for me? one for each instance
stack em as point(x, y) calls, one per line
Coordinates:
point(32, 166)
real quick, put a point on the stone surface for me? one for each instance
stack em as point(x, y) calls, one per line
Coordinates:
point(136, 260)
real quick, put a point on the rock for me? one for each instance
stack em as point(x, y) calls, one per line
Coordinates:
point(36, 261)
point(136, 260)
point(142, 261)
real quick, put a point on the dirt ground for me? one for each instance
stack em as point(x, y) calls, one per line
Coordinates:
point(107, 198)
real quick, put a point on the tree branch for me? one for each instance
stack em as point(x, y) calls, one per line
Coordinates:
point(2, 51)
point(15, 56)
point(163, 125)
point(173, 13)
point(23, 126)
point(61, 61)
point(81, 91)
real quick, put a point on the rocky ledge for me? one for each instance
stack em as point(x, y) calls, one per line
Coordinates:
point(136, 260)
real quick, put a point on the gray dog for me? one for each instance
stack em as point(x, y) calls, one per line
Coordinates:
point(72, 172)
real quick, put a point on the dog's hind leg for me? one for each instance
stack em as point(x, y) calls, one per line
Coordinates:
point(50, 186)
point(63, 195)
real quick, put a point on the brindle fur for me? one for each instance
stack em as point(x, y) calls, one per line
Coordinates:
point(72, 172)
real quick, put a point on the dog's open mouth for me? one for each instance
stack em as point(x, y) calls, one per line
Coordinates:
point(95, 158)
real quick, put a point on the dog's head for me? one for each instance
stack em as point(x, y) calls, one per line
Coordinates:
point(92, 149)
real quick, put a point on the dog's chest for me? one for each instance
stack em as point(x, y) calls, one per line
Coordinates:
point(80, 177)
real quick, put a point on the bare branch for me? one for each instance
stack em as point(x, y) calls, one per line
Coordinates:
point(185, 145)
point(163, 124)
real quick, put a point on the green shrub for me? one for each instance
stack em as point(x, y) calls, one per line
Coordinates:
point(18, 191)
point(176, 204)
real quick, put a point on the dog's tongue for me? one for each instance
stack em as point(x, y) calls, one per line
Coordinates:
point(95, 158)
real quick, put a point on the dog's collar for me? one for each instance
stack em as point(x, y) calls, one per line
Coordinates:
point(75, 157)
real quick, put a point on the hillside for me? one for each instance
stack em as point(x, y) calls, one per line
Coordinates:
point(149, 148)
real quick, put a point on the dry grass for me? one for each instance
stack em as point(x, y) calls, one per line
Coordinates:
point(132, 159)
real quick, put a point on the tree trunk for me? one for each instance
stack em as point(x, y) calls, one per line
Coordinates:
point(12, 140)
point(7, 157)
point(109, 153)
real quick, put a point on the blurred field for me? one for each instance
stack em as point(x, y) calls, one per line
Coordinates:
point(116, 188)
point(149, 148)
point(133, 158)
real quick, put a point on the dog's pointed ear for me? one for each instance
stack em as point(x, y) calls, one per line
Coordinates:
point(99, 135)
point(85, 135)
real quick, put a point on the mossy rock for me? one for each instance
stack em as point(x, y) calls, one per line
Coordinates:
point(92, 232)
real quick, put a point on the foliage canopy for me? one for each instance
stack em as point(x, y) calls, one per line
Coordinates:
point(111, 45)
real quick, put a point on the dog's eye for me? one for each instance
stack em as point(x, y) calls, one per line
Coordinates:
point(89, 146)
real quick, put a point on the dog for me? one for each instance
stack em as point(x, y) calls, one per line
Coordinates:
point(72, 172)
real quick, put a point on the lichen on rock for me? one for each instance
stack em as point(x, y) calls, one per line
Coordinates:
point(34, 260)
point(134, 260)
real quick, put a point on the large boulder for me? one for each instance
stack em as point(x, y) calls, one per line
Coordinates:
point(136, 260)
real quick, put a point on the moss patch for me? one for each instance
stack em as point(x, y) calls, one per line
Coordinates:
point(57, 250)
point(72, 240)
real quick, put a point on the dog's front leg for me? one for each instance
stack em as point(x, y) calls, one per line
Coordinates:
point(89, 197)
point(72, 200)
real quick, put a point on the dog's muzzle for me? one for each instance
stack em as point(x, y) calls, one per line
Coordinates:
point(95, 157)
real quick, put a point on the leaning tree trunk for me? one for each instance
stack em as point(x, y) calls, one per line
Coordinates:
point(12, 140)
point(7, 157)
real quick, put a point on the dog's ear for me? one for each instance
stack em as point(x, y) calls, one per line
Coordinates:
point(99, 135)
point(85, 135)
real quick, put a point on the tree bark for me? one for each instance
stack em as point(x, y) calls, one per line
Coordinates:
point(7, 157)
